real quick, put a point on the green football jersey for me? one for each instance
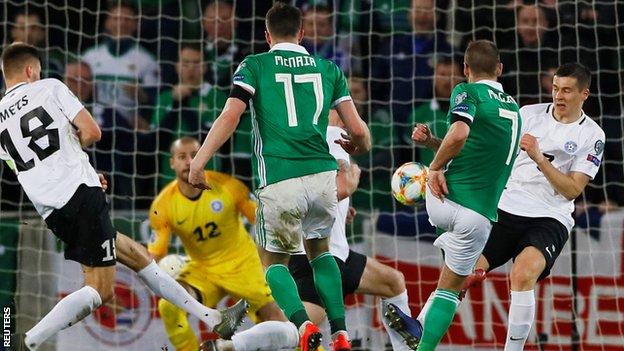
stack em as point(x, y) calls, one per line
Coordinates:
point(292, 94)
point(477, 176)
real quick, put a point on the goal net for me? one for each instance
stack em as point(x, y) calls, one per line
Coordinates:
point(154, 70)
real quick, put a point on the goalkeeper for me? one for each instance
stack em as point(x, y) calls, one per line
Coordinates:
point(223, 256)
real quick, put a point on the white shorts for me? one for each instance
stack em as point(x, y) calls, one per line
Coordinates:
point(466, 233)
point(303, 207)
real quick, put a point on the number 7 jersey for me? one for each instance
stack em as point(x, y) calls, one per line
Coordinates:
point(292, 94)
point(39, 143)
point(477, 176)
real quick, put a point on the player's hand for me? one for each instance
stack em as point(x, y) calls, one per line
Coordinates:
point(437, 184)
point(103, 181)
point(347, 144)
point(351, 214)
point(529, 144)
point(197, 178)
point(180, 91)
point(421, 134)
point(352, 170)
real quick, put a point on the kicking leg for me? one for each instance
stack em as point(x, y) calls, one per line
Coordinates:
point(136, 257)
point(74, 307)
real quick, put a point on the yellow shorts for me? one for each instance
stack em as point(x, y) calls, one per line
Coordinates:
point(242, 278)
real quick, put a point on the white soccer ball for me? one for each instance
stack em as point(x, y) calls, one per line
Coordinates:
point(409, 183)
point(172, 264)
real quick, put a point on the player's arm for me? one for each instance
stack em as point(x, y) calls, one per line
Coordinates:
point(347, 179)
point(358, 139)
point(158, 245)
point(569, 185)
point(88, 130)
point(221, 130)
point(422, 136)
point(450, 147)
point(243, 198)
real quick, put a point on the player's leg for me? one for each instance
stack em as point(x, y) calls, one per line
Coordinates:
point(136, 257)
point(283, 287)
point(466, 236)
point(381, 280)
point(501, 246)
point(175, 319)
point(541, 244)
point(74, 307)
point(317, 225)
point(85, 227)
point(278, 234)
point(265, 336)
point(328, 282)
point(247, 281)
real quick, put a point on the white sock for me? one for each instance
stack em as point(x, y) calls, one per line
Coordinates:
point(166, 287)
point(267, 336)
point(521, 315)
point(425, 308)
point(67, 312)
point(401, 301)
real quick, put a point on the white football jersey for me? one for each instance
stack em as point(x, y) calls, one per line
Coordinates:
point(111, 73)
point(338, 244)
point(39, 142)
point(573, 147)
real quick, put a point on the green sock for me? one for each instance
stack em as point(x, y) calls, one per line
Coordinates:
point(328, 283)
point(285, 293)
point(438, 318)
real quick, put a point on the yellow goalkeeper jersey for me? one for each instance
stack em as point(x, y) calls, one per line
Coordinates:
point(210, 226)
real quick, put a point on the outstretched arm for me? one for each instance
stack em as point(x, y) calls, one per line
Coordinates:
point(358, 139)
point(422, 136)
point(222, 129)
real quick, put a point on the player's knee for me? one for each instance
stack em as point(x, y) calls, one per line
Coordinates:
point(270, 312)
point(106, 293)
point(522, 278)
point(396, 282)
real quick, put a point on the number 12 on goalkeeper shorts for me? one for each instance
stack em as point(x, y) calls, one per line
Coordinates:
point(109, 247)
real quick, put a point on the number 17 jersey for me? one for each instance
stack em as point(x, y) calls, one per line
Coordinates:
point(292, 94)
point(39, 143)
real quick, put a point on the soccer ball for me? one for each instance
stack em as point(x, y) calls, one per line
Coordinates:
point(172, 264)
point(409, 183)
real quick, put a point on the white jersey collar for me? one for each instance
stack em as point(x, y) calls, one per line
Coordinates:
point(11, 89)
point(493, 84)
point(551, 111)
point(289, 47)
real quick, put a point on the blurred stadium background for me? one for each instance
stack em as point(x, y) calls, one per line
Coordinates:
point(402, 58)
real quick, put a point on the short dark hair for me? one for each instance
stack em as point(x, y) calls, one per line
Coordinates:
point(283, 20)
point(482, 57)
point(16, 56)
point(575, 70)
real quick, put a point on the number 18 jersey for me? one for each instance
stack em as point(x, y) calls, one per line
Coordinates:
point(292, 94)
point(39, 142)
